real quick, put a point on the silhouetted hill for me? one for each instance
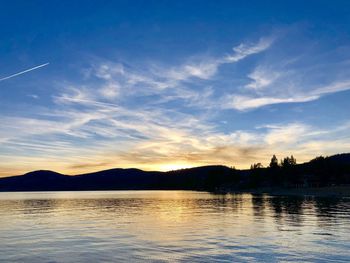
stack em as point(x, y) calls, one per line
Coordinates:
point(319, 171)
point(340, 158)
point(116, 179)
point(43, 175)
point(34, 181)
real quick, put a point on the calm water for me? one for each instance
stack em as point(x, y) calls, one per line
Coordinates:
point(172, 226)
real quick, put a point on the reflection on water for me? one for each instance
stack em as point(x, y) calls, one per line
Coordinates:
point(172, 226)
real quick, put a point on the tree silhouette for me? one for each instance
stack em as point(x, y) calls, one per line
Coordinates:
point(288, 162)
point(293, 161)
point(256, 166)
point(274, 162)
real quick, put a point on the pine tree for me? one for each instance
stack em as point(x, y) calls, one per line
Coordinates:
point(274, 162)
point(293, 161)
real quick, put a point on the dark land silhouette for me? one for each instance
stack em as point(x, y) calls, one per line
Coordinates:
point(321, 172)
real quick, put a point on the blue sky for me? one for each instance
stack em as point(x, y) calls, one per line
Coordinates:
point(160, 85)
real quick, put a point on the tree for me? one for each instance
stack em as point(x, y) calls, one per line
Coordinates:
point(256, 166)
point(288, 162)
point(285, 162)
point(274, 162)
point(293, 161)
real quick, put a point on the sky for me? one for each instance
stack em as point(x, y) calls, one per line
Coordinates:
point(162, 85)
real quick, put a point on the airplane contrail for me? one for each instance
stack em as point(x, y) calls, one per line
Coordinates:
point(25, 71)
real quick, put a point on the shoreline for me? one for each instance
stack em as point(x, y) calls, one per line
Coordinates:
point(328, 191)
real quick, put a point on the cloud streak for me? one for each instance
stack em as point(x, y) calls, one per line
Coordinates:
point(24, 71)
point(243, 103)
point(244, 50)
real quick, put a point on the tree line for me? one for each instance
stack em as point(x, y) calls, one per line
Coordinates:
point(285, 162)
point(320, 171)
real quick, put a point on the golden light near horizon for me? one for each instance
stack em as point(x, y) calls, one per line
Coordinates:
point(170, 159)
point(173, 166)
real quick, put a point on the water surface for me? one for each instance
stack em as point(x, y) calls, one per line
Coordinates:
point(172, 226)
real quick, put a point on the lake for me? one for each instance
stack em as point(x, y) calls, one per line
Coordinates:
point(172, 226)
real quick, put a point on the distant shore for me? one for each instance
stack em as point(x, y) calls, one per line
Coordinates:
point(328, 191)
point(322, 176)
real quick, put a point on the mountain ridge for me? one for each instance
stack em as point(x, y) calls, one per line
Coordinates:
point(207, 177)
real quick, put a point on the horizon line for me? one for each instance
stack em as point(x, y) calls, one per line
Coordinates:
point(192, 167)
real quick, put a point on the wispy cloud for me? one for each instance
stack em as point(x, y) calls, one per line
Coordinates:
point(209, 67)
point(333, 87)
point(242, 102)
point(163, 84)
point(246, 103)
point(244, 50)
point(24, 71)
point(288, 81)
point(262, 78)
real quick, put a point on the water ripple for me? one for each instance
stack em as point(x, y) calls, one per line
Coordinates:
point(172, 226)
